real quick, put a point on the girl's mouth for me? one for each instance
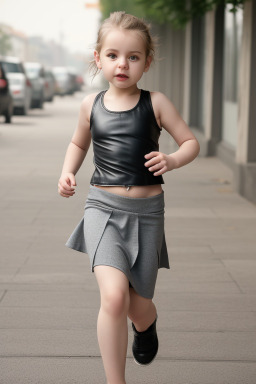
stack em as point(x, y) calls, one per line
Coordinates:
point(121, 76)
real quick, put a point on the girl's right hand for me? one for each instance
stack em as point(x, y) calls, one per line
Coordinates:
point(66, 185)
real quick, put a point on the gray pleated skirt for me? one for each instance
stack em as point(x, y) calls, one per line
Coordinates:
point(125, 233)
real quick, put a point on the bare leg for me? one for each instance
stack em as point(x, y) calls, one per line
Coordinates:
point(142, 311)
point(112, 321)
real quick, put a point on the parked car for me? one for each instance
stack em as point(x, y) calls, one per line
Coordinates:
point(76, 79)
point(19, 84)
point(79, 82)
point(6, 101)
point(64, 81)
point(50, 85)
point(36, 74)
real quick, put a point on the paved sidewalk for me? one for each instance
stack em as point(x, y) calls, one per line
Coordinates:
point(49, 299)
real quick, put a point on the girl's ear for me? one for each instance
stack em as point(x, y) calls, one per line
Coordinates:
point(97, 59)
point(147, 64)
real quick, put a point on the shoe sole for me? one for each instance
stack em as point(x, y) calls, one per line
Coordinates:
point(144, 365)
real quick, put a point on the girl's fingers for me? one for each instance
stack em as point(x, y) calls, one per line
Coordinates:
point(64, 195)
point(67, 186)
point(151, 162)
point(161, 171)
point(151, 154)
point(159, 168)
point(156, 167)
point(67, 192)
point(151, 157)
point(72, 180)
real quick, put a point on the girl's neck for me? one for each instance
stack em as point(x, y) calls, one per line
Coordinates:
point(120, 92)
point(121, 99)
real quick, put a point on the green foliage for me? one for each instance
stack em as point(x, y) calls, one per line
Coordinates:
point(179, 12)
point(5, 43)
point(129, 6)
point(175, 12)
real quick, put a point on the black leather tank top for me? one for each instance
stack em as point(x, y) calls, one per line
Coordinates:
point(120, 141)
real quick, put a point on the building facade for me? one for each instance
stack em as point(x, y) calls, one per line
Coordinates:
point(208, 71)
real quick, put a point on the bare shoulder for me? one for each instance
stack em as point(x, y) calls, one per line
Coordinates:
point(88, 100)
point(160, 100)
point(87, 103)
point(162, 106)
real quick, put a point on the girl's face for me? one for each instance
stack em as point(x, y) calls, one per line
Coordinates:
point(122, 58)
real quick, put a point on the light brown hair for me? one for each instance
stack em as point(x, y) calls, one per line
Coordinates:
point(125, 21)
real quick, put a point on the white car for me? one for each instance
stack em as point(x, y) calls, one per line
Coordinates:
point(19, 84)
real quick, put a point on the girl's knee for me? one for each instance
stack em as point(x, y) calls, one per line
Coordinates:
point(115, 302)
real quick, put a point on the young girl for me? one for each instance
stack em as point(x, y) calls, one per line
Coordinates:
point(123, 225)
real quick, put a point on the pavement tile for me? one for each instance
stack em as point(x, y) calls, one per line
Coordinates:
point(206, 321)
point(48, 342)
point(82, 370)
point(177, 246)
point(10, 259)
point(205, 302)
point(2, 293)
point(197, 287)
point(87, 286)
point(189, 212)
point(48, 318)
point(212, 228)
point(236, 256)
point(69, 299)
point(37, 255)
point(219, 346)
point(53, 268)
point(7, 274)
point(198, 273)
point(39, 275)
point(236, 246)
point(243, 272)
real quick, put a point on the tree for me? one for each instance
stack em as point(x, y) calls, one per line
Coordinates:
point(175, 12)
point(179, 12)
point(129, 6)
point(5, 42)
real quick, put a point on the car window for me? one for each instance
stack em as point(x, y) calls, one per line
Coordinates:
point(61, 76)
point(32, 72)
point(12, 67)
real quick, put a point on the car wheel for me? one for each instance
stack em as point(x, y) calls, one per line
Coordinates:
point(8, 116)
point(24, 110)
point(41, 102)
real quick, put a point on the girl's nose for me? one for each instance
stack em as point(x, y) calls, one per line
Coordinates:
point(123, 63)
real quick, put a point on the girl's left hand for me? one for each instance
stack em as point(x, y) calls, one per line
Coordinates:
point(159, 162)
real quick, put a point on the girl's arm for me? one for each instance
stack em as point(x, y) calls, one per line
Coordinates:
point(168, 117)
point(77, 149)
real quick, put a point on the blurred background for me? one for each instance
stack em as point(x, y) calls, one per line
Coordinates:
point(204, 64)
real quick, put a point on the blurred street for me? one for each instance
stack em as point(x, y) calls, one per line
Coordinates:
point(49, 298)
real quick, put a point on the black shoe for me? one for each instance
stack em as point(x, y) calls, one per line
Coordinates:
point(145, 344)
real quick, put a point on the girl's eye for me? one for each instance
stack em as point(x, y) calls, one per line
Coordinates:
point(111, 56)
point(133, 58)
